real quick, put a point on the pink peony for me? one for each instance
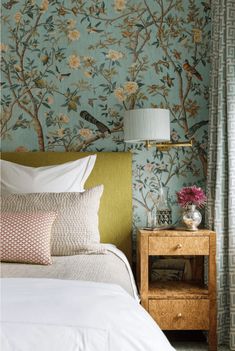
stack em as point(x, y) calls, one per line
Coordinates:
point(191, 195)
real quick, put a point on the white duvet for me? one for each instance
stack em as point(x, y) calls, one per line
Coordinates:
point(64, 315)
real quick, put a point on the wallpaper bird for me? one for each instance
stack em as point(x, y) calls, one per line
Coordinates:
point(192, 130)
point(89, 118)
point(8, 5)
point(191, 70)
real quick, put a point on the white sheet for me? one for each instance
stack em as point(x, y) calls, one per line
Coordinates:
point(52, 314)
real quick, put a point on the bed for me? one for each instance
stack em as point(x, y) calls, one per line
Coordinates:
point(87, 301)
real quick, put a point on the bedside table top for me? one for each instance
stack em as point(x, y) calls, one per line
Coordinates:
point(175, 232)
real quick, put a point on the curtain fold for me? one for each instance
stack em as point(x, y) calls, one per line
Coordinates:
point(221, 163)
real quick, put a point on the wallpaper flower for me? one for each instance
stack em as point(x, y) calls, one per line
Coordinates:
point(70, 68)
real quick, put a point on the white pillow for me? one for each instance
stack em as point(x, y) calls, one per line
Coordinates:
point(67, 177)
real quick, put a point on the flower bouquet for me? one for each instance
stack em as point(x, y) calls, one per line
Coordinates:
point(189, 198)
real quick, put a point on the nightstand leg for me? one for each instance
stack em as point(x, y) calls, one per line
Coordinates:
point(144, 271)
point(212, 339)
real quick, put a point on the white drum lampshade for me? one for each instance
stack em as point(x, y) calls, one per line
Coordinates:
point(147, 124)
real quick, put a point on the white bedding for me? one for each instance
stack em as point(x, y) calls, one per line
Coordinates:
point(65, 315)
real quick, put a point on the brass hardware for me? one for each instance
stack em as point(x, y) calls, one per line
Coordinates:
point(179, 246)
point(179, 315)
point(167, 145)
point(148, 144)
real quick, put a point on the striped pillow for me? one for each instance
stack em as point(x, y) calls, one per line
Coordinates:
point(25, 237)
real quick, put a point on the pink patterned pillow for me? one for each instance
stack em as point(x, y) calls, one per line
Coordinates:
point(25, 237)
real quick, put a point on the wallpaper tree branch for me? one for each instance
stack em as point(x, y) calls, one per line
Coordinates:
point(70, 68)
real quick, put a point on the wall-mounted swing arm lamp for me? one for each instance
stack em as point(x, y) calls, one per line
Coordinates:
point(151, 126)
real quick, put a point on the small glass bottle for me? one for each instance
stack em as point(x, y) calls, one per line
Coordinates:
point(164, 213)
point(151, 218)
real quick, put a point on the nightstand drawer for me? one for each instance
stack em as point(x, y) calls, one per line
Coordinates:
point(180, 314)
point(178, 245)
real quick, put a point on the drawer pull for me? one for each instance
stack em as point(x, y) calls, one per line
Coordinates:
point(179, 246)
point(179, 315)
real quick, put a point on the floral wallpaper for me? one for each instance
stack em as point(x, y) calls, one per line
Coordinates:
point(70, 68)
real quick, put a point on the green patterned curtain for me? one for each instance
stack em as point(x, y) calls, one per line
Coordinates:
point(221, 163)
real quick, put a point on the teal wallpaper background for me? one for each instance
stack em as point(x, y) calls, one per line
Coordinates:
point(59, 58)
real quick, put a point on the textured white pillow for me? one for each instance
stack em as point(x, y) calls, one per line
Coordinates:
point(67, 177)
point(75, 228)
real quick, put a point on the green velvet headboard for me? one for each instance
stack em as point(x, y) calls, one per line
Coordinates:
point(113, 169)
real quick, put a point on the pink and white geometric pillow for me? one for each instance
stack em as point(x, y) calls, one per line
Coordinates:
point(25, 237)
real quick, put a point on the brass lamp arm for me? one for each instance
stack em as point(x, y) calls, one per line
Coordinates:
point(168, 145)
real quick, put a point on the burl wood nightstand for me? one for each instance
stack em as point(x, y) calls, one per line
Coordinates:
point(180, 305)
